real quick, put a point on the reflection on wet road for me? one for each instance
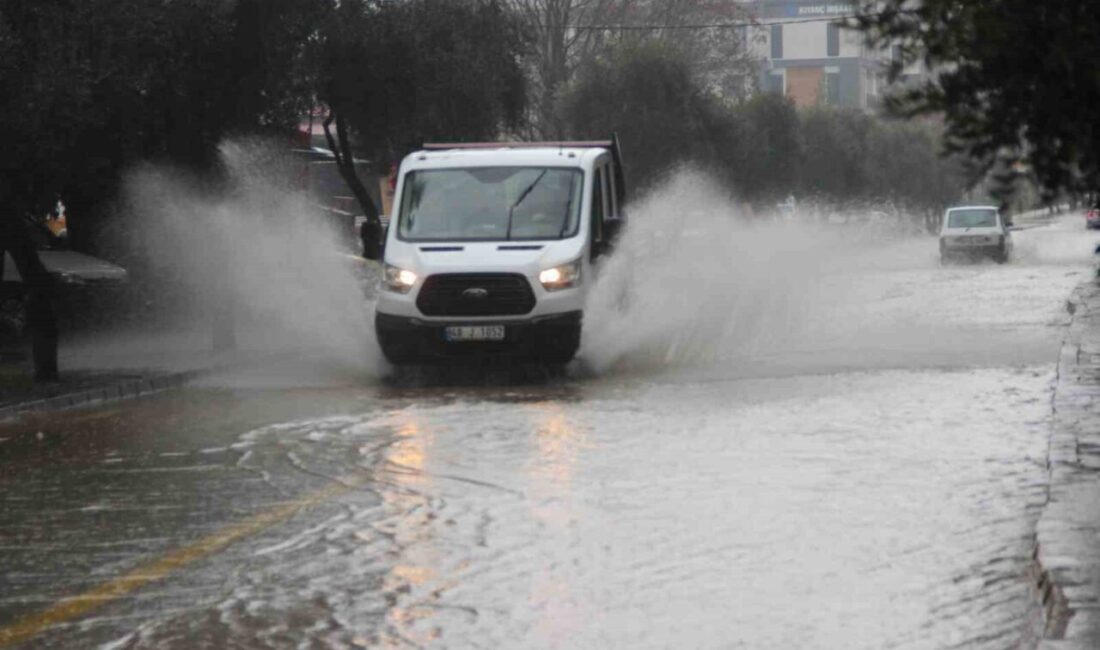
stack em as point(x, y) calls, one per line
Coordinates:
point(849, 493)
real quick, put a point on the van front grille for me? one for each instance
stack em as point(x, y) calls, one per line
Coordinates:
point(475, 294)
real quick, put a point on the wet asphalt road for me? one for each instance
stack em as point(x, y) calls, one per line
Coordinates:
point(874, 486)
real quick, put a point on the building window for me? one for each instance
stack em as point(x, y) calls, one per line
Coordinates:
point(895, 54)
point(775, 83)
point(871, 84)
point(867, 93)
point(832, 88)
point(833, 39)
point(777, 41)
point(742, 35)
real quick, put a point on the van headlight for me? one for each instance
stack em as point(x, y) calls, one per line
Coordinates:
point(562, 276)
point(397, 279)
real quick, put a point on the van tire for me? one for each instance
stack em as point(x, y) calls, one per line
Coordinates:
point(396, 351)
point(562, 347)
point(557, 357)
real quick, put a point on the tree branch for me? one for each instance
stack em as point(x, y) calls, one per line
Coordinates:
point(371, 232)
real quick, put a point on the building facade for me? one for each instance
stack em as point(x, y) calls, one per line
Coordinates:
point(807, 56)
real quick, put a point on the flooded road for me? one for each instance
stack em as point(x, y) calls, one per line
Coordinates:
point(872, 484)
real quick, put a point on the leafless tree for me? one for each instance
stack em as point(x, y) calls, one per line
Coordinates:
point(561, 40)
point(570, 33)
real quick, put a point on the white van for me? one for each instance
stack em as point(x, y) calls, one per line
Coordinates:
point(491, 247)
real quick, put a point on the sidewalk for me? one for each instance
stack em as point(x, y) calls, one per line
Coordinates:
point(1037, 218)
point(120, 367)
point(1068, 537)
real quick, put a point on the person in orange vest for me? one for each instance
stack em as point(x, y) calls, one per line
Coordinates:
point(56, 224)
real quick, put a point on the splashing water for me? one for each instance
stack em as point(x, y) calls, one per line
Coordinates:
point(692, 281)
point(697, 284)
point(290, 281)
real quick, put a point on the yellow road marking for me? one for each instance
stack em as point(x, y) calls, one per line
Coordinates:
point(71, 608)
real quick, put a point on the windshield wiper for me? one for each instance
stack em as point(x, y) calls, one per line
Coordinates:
point(523, 195)
point(565, 218)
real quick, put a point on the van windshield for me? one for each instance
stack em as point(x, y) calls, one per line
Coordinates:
point(972, 219)
point(490, 204)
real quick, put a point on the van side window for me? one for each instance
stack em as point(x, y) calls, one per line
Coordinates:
point(612, 196)
point(597, 205)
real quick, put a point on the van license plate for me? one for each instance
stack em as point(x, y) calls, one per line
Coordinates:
point(474, 333)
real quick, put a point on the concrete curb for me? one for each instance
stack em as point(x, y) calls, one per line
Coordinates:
point(128, 389)
point(1066, 564)
point(112, 392)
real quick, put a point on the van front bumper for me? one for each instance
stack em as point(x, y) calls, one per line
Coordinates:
point(980, 248)
point(552, 338)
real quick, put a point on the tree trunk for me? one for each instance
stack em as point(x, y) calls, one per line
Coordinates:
point(39, 284)
point(42, 323)
point(371, 232)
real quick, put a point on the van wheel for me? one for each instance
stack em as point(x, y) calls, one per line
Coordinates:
point(395, 350)
point(557, 357)
point(561, 349)
point(558, 354)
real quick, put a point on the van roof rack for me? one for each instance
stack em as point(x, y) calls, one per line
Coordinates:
point(435, 146)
